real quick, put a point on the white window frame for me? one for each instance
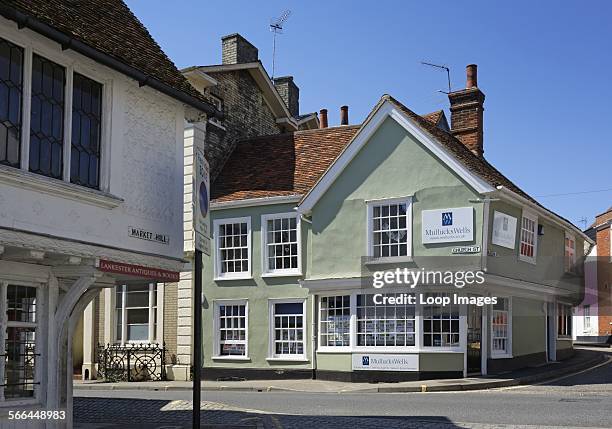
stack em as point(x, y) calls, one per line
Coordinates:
point(272, 337)
point(369, 230)
point(586, 311)
point(40, 355)
point(460, 347)
point(564, 310)
point(534, 218)
point(497, 354)
point(266, 272)
point(232, 276)
point(153, 336)
point(72, 63)
point(571, 269)
point(417, 348)
point(216, 332)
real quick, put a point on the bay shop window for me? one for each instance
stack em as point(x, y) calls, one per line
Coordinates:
point(360, 321)
point(50, 117)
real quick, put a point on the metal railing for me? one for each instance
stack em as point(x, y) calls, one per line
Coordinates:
point(131, 362)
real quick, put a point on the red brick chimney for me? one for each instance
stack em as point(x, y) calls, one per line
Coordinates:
point(344, 115)
point(323, 118)
point(467, 107)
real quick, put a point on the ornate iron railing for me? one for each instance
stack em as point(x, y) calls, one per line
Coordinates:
point(131, 362)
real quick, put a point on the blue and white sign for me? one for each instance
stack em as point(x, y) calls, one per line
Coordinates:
point(448, 225)
point(385, 362)
point(201, 202)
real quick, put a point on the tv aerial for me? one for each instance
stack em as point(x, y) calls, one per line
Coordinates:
point(442, 67)
point(276, 27)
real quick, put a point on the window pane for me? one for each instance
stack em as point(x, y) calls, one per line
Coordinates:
point(20, 360)
point(11, 78)
point(137, 299)
point(138, 332)
point(137, 316)
point(47, 117)
point(86, 129)
point(21, 303)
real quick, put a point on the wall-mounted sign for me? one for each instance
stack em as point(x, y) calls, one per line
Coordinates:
point(143, 234)
point(201, 202)
point(385, 362)
point(504, 230)
point(138, 271)
point(448, 225)
point(465, 249)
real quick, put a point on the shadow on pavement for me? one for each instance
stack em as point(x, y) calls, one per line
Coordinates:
point(99, 413)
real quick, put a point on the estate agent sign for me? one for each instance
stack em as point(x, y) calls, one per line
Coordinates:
point(385, 362)
point(448, 225)
point(504, 230)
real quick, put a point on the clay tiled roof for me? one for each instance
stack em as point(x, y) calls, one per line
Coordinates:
point(434, 117)
point(109, 27)
point(280, 165)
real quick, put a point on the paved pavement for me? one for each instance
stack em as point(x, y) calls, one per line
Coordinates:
point(581, 400)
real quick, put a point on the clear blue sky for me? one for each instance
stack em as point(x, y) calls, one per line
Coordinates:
point(545, 68)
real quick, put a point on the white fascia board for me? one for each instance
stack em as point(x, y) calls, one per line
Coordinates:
point(512, 196)
point(316, 285)
point(253, 202)
point(387, 109)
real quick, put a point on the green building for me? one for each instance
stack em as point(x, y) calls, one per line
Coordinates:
point(302, 220)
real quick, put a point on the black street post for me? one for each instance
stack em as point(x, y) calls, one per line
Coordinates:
point(197, 339)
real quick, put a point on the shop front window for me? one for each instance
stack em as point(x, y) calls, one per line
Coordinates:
point(500, 327)
point(384, 325)
point(440, 325)
point(335, 321)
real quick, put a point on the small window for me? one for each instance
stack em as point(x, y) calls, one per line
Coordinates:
point(11, 92)
point(233, 248)
point(570, 254)
point(20, 346)
point(288, 330)
point(47, 118)
point(440, 325)
point(281, 252)
point(335, 321)
point(232, 328)
point(86, 129)
point(136, 313)
point(500, 328)
point(564, 320)
point(529, 239)
point(384, 325)
point(389, 229)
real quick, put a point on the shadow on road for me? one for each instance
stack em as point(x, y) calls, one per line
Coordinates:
point(98, 413)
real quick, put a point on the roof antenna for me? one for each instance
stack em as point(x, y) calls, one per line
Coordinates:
point(276, 26)
point(447, 74)
point(583, 221)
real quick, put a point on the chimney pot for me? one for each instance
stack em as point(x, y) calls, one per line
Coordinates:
point(323, 118)
point(344, 115)
point(472, 76)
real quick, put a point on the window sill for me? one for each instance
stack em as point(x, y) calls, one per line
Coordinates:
point(231, 358)
point(389, 260)
point(58, 188)
point(527, 259)
point(217, 279)
point(501, 356)
point(287, 359)
point(282, 274)
point(564, 338)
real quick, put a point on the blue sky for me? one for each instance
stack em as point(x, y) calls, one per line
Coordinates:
point(545, 68)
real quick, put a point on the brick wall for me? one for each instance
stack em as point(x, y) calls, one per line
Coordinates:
point(604, 273)
point(246, 115)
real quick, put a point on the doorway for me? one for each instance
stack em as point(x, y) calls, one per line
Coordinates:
point(474, 339)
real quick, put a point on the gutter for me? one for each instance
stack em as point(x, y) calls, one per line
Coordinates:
point(513, 196)
point(68, 42)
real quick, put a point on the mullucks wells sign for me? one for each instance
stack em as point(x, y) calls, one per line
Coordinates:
point(448, 225)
